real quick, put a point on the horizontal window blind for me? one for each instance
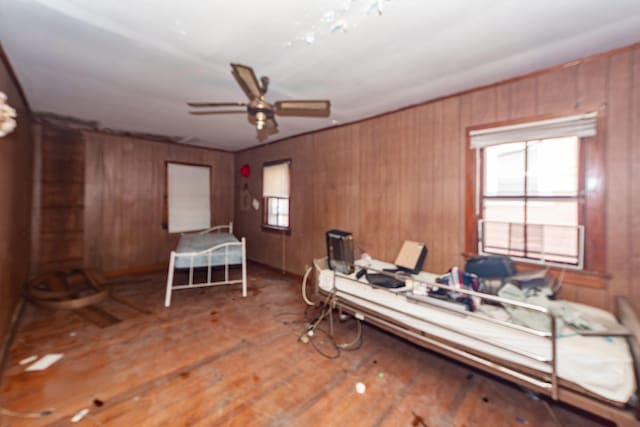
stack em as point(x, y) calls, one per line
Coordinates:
point(275, 180)
point(583, 125)
point(189, 197)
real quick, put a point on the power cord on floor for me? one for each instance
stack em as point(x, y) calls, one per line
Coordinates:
point(304, 287)
point(41, 414)
point(312, 325)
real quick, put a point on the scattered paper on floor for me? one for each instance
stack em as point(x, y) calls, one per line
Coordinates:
point(44, 362)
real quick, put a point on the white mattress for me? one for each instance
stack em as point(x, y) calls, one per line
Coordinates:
point(190, 243)
point(601, 365)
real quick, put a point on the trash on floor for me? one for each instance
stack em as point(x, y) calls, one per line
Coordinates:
point(44, 362)
point(361, 388)
point(79, 415)
point(28, 360)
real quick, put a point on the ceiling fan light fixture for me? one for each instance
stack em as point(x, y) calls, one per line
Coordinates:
point(261, 118)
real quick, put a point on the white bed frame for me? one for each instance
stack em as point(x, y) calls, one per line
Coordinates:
point(223, 247)
point(545, 383)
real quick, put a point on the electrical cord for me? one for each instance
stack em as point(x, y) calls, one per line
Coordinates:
point(312, 324)
point(10, 413)
point(304, 287)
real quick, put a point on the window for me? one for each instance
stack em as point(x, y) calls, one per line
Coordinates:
point(275, 193)
point(188, 205)
point(536, 192)
point(530, 201)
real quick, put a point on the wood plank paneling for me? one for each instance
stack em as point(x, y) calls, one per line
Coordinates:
point(16, 184)
point(634, 214)
point(618, 172)
point(124, 191)
point(406, 170)
point(61, 211)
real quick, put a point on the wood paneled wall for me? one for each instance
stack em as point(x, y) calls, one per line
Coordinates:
point(402, 176)
point(107, 209)
point(124, 192)
point(60, 160)
point(16, 178)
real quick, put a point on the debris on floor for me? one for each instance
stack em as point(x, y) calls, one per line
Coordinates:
point(28, 360)
point(44, 362)
point(418, 421)
point(360, 388)
point(79, 415)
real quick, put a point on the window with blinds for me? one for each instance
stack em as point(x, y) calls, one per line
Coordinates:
point(188, 197)
point(275, 193)
point(529, 191)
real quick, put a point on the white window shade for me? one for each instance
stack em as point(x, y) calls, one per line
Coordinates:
point(275, 180)
point(189, 197)
point(583, 125)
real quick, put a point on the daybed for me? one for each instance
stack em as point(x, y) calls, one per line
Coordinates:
point(214, 247)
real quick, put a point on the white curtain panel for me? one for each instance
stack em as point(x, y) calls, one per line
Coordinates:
point(275, 180)
point(189, 197)
point(582, 125)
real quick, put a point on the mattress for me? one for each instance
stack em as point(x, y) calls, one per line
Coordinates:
point(190, 243)
point(601, 365)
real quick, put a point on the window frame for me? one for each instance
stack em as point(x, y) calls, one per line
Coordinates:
point(526, 197)
point(165, 199)
point(265, 200)
point(591, 202)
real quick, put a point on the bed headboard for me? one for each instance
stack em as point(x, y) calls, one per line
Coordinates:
point(629, 319)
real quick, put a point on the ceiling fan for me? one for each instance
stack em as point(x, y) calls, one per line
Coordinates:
point(260, 112)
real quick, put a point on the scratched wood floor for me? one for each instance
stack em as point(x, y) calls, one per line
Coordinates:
point(216, 359)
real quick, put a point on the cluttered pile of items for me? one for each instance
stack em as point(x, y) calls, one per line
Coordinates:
point(493, 275)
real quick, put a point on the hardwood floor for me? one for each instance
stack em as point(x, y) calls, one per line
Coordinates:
point(215, 358)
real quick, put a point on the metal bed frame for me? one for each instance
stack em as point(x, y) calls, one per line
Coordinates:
point(546, 383)
point(223, 247)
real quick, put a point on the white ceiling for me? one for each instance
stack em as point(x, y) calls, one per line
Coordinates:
point(132, 65)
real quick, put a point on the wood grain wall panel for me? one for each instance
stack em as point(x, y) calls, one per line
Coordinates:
point(124, 198)
point(484, 106)
point(16, 184)
point(408, 170)
point(592, 84)
point(427, 226)
point(523, 98)
point(334, 198)
point(61, 217)
point(453, 151)
point(591, 96)
point(635, 177)
point(503, 102)
point(62, 194)
point(467, 168)
point(618, 173)
point(557, 91)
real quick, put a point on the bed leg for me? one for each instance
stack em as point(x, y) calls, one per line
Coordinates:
point(167, 296)
point(244, 267)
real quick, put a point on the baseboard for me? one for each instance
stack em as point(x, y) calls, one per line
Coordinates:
point(13, 327)
point(275, 269)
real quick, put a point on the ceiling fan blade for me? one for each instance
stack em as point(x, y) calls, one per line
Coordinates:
point(202, 113)
point(311, 108)
point(216, 104)
point(247, 80)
